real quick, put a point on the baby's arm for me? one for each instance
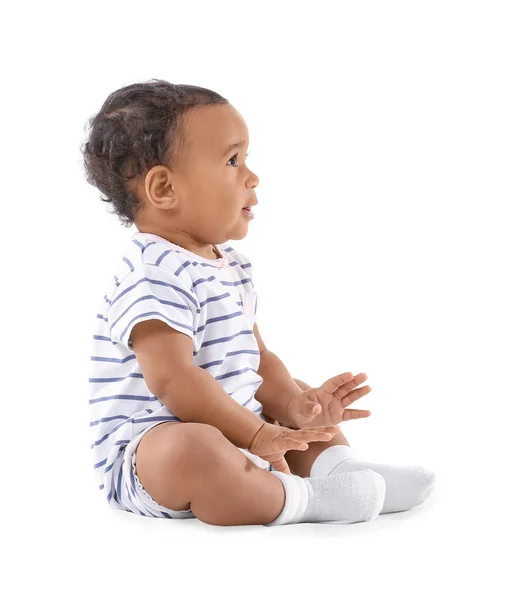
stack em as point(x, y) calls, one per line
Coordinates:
point(278, 386)
point(190, 392)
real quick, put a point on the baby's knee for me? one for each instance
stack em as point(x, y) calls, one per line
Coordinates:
point(202, 449)
point(169, 442)
point(181, 449)
point(200, 439)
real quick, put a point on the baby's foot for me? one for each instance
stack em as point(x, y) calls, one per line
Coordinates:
point(406, 486)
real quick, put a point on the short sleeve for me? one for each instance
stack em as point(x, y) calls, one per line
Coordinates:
point(151, 292)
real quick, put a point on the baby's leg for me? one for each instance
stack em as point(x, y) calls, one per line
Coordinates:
point(194, 466)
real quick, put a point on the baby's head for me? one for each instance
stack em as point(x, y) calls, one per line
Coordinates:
point(162, 154)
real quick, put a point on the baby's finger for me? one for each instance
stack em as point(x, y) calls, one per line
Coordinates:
point(287, 443)
point(310, 409)
point(355, 395)
point(353, 413)
point(348, 386)
point(281, 465)
point(311, 435)
point(336, 382)
point(325, 428)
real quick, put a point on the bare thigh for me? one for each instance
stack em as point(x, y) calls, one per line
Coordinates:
point(162, 459)
point(193, 466)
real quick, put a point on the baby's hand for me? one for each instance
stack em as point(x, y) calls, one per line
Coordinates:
point(271, 442)
point(327, 405)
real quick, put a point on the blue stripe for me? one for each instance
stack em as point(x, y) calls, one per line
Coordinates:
point(242, 352)
point(215, 266)
point(109, 379)
point(214, 298)
point(181, 268)
point(148, 297)
point(107, 419)
point(124, 397)
point(140, 245)
point(98, 442)
point(231, 264)
point(103, 338)
point(225, 339)
point(119, 488)
point(129, 263)
point(127, 489)
point(250, 399)
point(234, 283)
point(191, 298)
point(112, 359)
point(133, 481)
point(202, 280)
point(210, 364)
point(233, 353)
point(221, 318)
point(234, 373)
point(165, 253)
point(107, 469)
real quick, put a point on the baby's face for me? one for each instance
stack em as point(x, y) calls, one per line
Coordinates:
point(213, 183)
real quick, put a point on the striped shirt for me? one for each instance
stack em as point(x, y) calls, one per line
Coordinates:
point(212, 301)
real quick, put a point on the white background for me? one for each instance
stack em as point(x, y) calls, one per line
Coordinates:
point(383, 135)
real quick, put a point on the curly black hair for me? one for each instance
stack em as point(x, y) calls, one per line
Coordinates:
point(139, 126)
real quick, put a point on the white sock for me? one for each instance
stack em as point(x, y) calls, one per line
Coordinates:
point(350, 497)
point(406, 487)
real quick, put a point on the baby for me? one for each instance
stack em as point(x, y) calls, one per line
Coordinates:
point(176, 341)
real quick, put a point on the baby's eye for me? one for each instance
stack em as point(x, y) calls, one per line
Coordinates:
point(236, 156)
